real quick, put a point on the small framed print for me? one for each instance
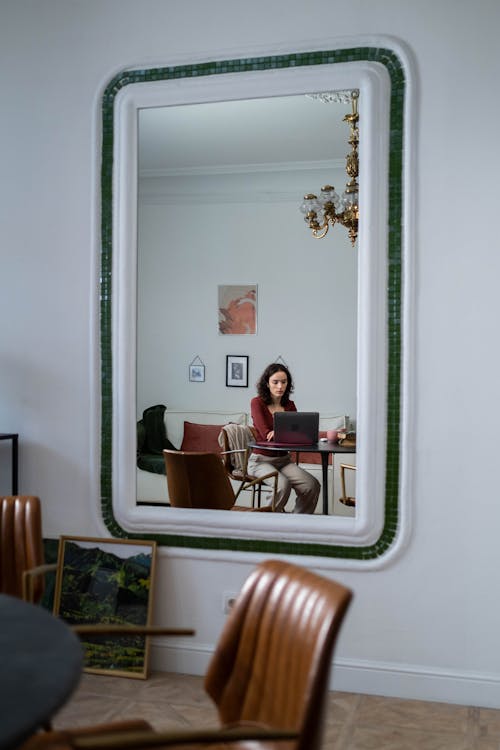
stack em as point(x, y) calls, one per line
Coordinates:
point(197, 373)
point(236, 371)
point(197, 370)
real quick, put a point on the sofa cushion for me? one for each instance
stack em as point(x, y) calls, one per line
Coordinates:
point(201, 437)
point(174, 421)
point(333, 422)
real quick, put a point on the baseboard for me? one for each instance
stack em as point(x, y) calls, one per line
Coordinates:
point(406, 681)
point(414, 682)
point(179, 658)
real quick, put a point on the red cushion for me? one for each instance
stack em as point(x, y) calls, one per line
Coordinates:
point(201, 437)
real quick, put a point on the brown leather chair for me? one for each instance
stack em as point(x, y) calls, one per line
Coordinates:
point(21, 547)
point(234, 440)
point(199, 480)
point(269, 674)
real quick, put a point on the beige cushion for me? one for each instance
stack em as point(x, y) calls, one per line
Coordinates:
point(333, 422)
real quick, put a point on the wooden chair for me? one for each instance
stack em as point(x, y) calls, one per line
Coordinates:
point(268, 676)
point(199, 480)
point(234, 440)
point(346, 499)
point(22, 563)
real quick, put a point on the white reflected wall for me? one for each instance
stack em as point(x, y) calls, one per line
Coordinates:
point(198, 232)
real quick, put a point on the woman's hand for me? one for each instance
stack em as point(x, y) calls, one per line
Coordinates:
point(270, 435)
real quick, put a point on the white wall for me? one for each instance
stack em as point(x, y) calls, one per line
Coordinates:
point(243, 229)
point(427, 625)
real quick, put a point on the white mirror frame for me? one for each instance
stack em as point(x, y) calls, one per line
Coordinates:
point(380, 525)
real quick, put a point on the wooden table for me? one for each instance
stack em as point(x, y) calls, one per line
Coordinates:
point(41, 662)
point(324, 448)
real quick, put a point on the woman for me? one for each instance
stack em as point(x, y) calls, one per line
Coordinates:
point(274, 388)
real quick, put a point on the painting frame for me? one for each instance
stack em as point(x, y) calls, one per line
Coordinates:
point(237, 309)
point(237, 370)
point(108, 581)
point(196, 373)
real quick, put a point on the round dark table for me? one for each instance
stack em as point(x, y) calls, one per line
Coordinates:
point(324, 448)
point(41, 662)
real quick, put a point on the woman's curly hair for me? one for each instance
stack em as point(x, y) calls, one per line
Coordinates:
point(263, 383)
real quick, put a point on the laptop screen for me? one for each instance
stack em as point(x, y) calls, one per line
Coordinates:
point(296, 427)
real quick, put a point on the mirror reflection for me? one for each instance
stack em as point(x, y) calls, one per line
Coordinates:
point(220, 185)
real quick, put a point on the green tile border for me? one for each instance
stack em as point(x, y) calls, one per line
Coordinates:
point(393, 65)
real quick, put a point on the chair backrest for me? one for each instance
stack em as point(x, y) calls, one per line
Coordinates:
point(197, 480)
point(21, 543)
point(235, 437)
point(273, 658)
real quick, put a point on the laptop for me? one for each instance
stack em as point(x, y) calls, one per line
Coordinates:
point(295, 428)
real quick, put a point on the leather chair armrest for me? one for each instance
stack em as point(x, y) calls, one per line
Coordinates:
point(29, 577)
point(103, 629)
point(131, 740)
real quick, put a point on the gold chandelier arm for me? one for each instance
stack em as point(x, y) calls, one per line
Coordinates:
point(330, 204)
point(318, 234)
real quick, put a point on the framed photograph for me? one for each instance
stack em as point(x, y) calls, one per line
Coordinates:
point(107, 581)
point(237, 308)
point(237, 371)
point(197, 373)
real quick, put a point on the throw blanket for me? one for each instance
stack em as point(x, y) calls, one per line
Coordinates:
point(152, 439)
point(238, 437)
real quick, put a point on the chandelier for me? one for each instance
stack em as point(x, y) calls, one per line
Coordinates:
point(329, 208)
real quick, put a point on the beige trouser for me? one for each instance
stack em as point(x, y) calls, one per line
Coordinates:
point(290, 477)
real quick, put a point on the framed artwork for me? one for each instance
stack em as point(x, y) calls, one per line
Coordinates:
point(237, 306)
point(197, 373)
point(107, 581)
point(237, 371)
point(197, 370)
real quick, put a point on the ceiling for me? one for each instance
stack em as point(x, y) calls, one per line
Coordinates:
point(239, 134)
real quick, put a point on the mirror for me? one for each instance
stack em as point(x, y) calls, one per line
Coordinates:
point(377, 75)
point(220, 186)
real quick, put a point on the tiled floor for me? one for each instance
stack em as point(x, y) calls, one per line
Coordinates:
point(353, 722)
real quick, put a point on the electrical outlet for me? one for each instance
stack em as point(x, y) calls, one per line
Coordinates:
point(228, 600)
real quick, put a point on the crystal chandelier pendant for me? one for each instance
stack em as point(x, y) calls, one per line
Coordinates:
point(329, 209)
point(329, 195)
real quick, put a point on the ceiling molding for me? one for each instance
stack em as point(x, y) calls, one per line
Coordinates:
point(243, 168)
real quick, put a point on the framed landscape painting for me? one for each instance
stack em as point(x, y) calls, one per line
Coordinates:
point(107, 581)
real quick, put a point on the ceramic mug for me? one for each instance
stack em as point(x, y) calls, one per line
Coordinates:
point(332, 436)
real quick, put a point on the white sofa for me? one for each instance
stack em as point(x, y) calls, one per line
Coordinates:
point(152, 488)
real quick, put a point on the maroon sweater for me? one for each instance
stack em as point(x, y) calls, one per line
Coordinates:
point(263, 422)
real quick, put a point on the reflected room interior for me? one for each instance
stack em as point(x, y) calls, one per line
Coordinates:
point(220, 186)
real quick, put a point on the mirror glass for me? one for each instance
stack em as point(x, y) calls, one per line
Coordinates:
point(228, 208)
point(220, 186)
